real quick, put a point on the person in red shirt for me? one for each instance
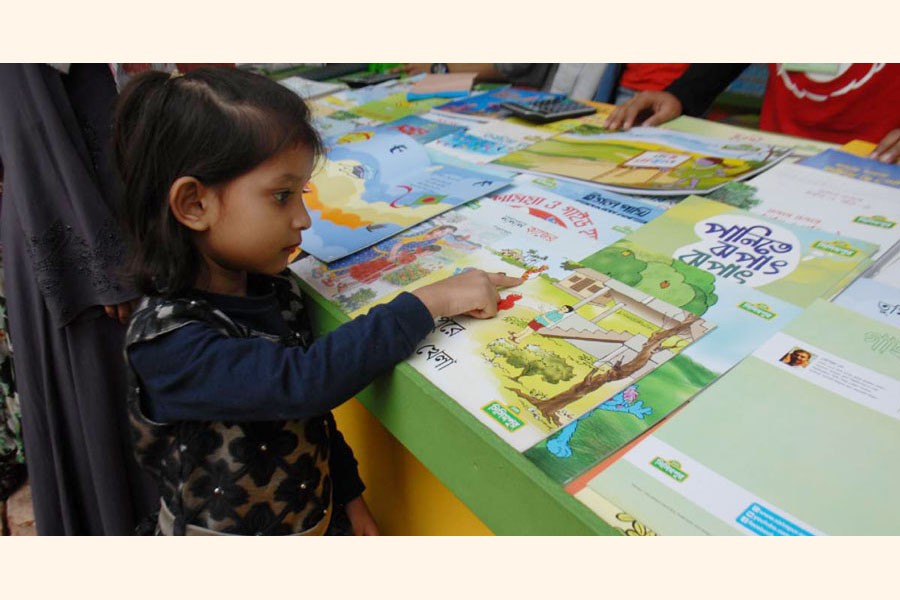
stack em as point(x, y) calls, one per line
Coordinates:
point(646, 77)
point(834, 103)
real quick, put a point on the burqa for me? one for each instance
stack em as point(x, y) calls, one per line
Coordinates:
point(62, 255)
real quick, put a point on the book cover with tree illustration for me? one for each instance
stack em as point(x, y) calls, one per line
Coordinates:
point(744, 319)
point(785, 261)
point(800, 438)
point(565, 344)
point(823, 200)
point(645, 160)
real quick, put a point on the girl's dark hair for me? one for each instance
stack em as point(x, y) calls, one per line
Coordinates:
point(214, 124)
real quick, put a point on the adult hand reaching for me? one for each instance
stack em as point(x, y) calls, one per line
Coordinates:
point(662, 107)
point(888, 151)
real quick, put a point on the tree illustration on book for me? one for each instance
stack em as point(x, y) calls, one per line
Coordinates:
point(595, 378)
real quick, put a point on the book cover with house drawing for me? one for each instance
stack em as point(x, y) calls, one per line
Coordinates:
point(645, 160)
point(744, 319)
point(560, 347)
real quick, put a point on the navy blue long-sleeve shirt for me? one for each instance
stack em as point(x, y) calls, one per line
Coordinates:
point(197, 373)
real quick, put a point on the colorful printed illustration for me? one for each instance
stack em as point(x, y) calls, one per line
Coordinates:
point(856, 167)
point(743, 135)
point(394, 107)
point(569, 205)
point(376, 183)
point(487, 105)
point(645, 159)
point(508, 228)
point(744, 319)
point(785, 261)
point(569, 344)
point(485, 142)
point(820, 199)
point(761, 462)
point(421, 129)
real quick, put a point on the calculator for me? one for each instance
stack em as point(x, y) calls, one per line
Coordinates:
point(364, 79)
point(549, 110)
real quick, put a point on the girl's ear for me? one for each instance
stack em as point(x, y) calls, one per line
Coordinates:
point(191, 203)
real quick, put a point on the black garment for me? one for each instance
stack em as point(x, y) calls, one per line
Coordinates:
point(699, 85)
point(270, 470)
point(61, 252)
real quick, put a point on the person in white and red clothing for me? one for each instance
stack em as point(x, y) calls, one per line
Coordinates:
point(835, 103)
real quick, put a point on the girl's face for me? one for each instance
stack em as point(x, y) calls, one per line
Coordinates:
point(259, 217)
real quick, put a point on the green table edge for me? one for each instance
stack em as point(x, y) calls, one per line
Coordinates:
point(499, 485)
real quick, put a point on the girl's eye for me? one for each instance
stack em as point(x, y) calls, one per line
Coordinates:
point(283, 196)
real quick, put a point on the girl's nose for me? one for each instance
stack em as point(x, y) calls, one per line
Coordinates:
point(301, 218)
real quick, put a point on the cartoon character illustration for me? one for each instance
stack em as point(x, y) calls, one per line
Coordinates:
point(541, 321)
point(508, 301)
point(625, 401)
point(532, 272)
point(371, 264)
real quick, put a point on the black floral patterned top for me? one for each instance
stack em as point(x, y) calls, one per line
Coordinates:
point(268, 477)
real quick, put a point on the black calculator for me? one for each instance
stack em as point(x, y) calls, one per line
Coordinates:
point(549, 110)
point(364, 79)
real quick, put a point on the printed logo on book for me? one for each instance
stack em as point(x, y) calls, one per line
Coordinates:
point(883, 343)
point(875, 221)
point(499, 413)
point(672, 468)
point(759, 309)
point(839, 248)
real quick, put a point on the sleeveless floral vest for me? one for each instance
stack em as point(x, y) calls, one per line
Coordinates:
point(249, 478)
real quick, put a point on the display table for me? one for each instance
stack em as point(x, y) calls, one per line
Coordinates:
point(500, 487)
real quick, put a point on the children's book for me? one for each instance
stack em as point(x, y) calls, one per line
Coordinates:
point(858, 147)
point(597, 119)
point(348, 99)
point(442, 85)
point(800, 438)
point(645, 160)
point(857, 167)
point(487, 105)
point(376, 183)
point(809, 197)
point(307, 88)
point(421, 129)
point(573, 205)
point(511, 225)
point(395, 107)
point(791, 263)
point(799, 146)
point(340, 122)
point(744, 319)
point(559, 347)
point(485, 142)
point(873, 299)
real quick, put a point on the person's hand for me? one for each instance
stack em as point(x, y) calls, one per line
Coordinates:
point(888, 151)
point(361, 520)
point(472, 293)
point(661, 106)
point(120, 312)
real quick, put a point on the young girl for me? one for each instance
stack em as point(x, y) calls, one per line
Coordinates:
point(230, 398)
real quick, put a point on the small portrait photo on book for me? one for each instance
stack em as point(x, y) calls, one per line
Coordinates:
point(797, 357)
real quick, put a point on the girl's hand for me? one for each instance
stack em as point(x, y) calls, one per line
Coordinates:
point(472, 293)
point(361, 520)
